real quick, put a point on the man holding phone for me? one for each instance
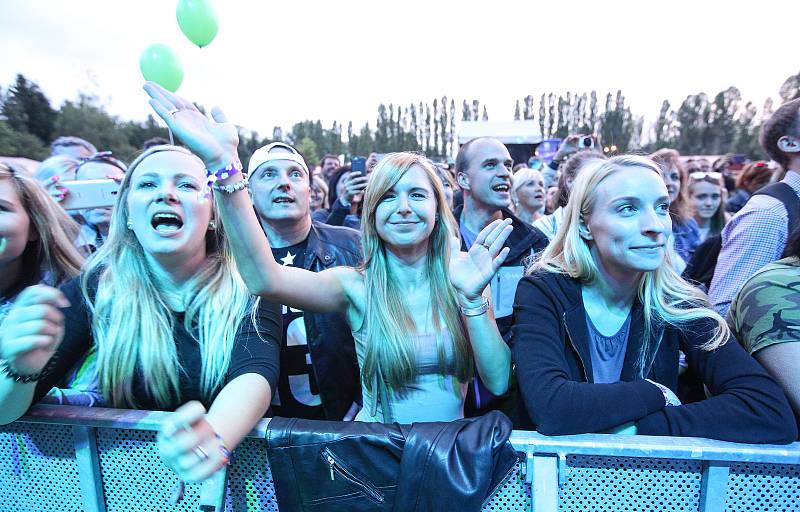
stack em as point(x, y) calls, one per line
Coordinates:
point(105, 173)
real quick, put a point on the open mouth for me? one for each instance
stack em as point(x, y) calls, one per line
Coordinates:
point(166, 222)
point(283, 200)
point(502, 187)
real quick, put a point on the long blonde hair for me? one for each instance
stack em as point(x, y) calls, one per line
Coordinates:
point(132, 324)
point(665, 297)
point(51, 254)
point(387, 320)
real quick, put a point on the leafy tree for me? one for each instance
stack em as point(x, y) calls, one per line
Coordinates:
point(19, 144)
point(516, 112)
point(87, 119)
point(308, 148)
point(27, 110)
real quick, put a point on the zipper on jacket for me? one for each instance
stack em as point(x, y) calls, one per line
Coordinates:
point(502, 480)
point(336, 467)
point(574, 347)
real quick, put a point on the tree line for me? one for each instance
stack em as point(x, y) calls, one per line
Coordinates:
point(701, 124)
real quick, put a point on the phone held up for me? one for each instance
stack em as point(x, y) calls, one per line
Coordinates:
point(87, 194)
point(358, 165)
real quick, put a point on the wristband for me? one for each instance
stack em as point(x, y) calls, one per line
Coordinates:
point(230, 189)
point(476, 311)
point(220, 174)
point(5, 369)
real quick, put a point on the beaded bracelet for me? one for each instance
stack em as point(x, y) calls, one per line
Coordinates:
point(220, 174)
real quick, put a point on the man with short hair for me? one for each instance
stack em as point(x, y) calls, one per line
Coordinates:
point(483, 171)
point(328, 166)
point(319, 376)
point(757, 235)
point(73, 147)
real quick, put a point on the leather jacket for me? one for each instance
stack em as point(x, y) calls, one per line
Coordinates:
point(330, 343)
point(355, 466)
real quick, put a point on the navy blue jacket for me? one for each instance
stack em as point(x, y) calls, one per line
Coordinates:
point(554, 369)
point(333, 352)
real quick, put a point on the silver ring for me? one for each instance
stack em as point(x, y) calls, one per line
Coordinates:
point(200, 452)
point(173, 111)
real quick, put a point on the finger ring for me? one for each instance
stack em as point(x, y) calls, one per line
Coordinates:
point(173, 111)
point(200, 452)
point(485, 246)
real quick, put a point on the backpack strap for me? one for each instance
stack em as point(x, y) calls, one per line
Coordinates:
point(786, 195)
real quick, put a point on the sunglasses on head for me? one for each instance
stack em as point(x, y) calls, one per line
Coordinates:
point(701, 175)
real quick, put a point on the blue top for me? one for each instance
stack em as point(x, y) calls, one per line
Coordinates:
point(607, 352)
point(431, 396)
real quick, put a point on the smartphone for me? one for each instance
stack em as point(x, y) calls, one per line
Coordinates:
point(358, 165)
point(86, 194)
point(586, 142)
point(535, 163)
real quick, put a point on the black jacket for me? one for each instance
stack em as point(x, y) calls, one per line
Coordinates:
point(554, 371)
point(355, 466)
point(330, 343)
point(523, 241)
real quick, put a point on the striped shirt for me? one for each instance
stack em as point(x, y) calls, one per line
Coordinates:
point(756, 236)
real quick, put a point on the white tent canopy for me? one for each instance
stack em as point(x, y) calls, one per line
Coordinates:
point(508, 132)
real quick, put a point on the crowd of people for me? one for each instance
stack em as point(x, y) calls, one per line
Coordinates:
point(623, 294)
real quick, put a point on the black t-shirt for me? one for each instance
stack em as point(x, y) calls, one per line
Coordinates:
point(298, 392)
point(250, 353)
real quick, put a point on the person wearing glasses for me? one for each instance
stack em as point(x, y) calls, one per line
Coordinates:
point(707, 198)
point(757, 235)
point(95, 222)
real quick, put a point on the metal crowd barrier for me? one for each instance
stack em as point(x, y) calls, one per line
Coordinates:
point(61, 458)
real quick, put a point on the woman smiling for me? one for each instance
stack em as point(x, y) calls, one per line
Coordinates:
point(601, 318)
point(417, 307)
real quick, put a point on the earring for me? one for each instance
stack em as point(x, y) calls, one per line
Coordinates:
point(130, 225)
point(212, 225)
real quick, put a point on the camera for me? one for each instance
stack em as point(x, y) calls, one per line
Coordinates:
point(586, 142)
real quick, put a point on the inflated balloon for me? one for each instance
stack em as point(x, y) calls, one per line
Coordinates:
point(161, 65)
point(197, 20)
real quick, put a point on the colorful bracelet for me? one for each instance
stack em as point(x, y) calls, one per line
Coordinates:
point(220, 174)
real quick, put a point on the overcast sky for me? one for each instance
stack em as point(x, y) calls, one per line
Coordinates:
point(275, 63)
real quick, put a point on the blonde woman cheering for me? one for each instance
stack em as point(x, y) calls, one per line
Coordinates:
point(418, 307)
point(165, 310)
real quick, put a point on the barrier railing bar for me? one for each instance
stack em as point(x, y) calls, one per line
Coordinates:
point(99, 417)
point(545, 484)
point(714, 486)
point(687, 448)
point(88, 460)
point(212, 492)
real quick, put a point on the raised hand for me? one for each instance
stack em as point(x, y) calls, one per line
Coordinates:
point(213, 140)
point(33, 329)
point(189, 446)
point(354, 186)
point(471, 271)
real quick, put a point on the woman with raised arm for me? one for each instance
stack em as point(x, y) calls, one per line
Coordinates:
point(418, 307)
point(601, 318)
point(167, 314)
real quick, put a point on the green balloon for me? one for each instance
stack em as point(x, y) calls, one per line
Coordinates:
point(197, 20)
point(161, 65)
